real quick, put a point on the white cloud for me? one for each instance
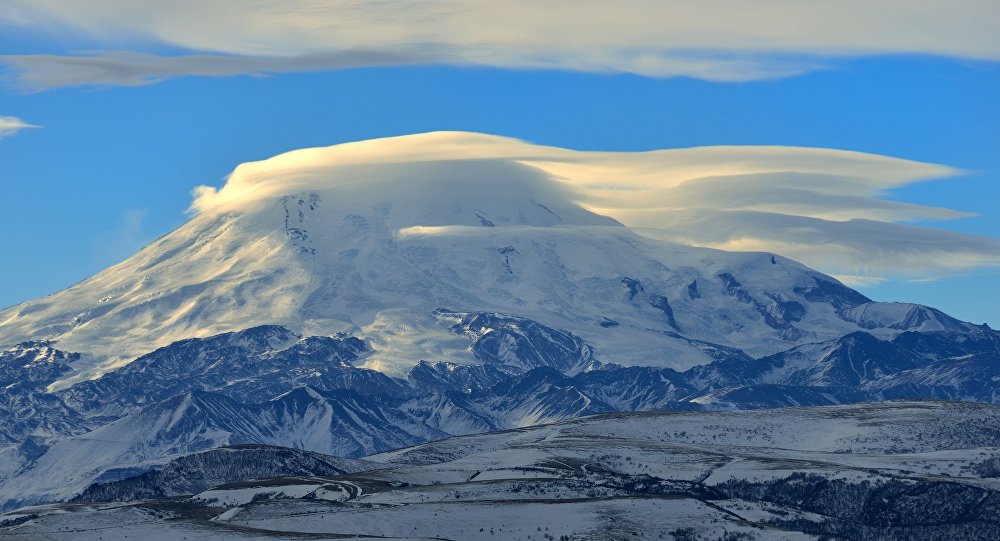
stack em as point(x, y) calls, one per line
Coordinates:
point(727, 40)
point(823, 207)
point(10, 125)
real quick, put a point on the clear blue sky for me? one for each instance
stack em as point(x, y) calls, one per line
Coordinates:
point(111, 168)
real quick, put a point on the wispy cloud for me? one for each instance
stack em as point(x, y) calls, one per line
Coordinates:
point(10, 125)
point(820, 206)
point(865, 251)
point(720, 41)
point(124, 239)
point(124, 68)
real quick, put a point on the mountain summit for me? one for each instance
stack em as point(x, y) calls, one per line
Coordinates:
point(373, 238)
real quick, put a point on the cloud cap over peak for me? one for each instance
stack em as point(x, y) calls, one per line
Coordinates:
point(824, 207)
point(727, 40)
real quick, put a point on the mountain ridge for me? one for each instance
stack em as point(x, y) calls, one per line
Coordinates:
point(344, 418)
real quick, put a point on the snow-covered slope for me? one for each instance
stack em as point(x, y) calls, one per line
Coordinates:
point(898, 471)
point(367, 296)
point(170, 403)
point(371, 238)
point(194, 473)
point(25, 408)
point(339, 423)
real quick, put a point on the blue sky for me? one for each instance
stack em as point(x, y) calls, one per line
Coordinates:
point(112, 166)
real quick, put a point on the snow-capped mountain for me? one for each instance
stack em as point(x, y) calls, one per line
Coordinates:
point(372, 238)
point(364, 297)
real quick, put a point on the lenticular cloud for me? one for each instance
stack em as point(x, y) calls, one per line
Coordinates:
point(823, 207)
